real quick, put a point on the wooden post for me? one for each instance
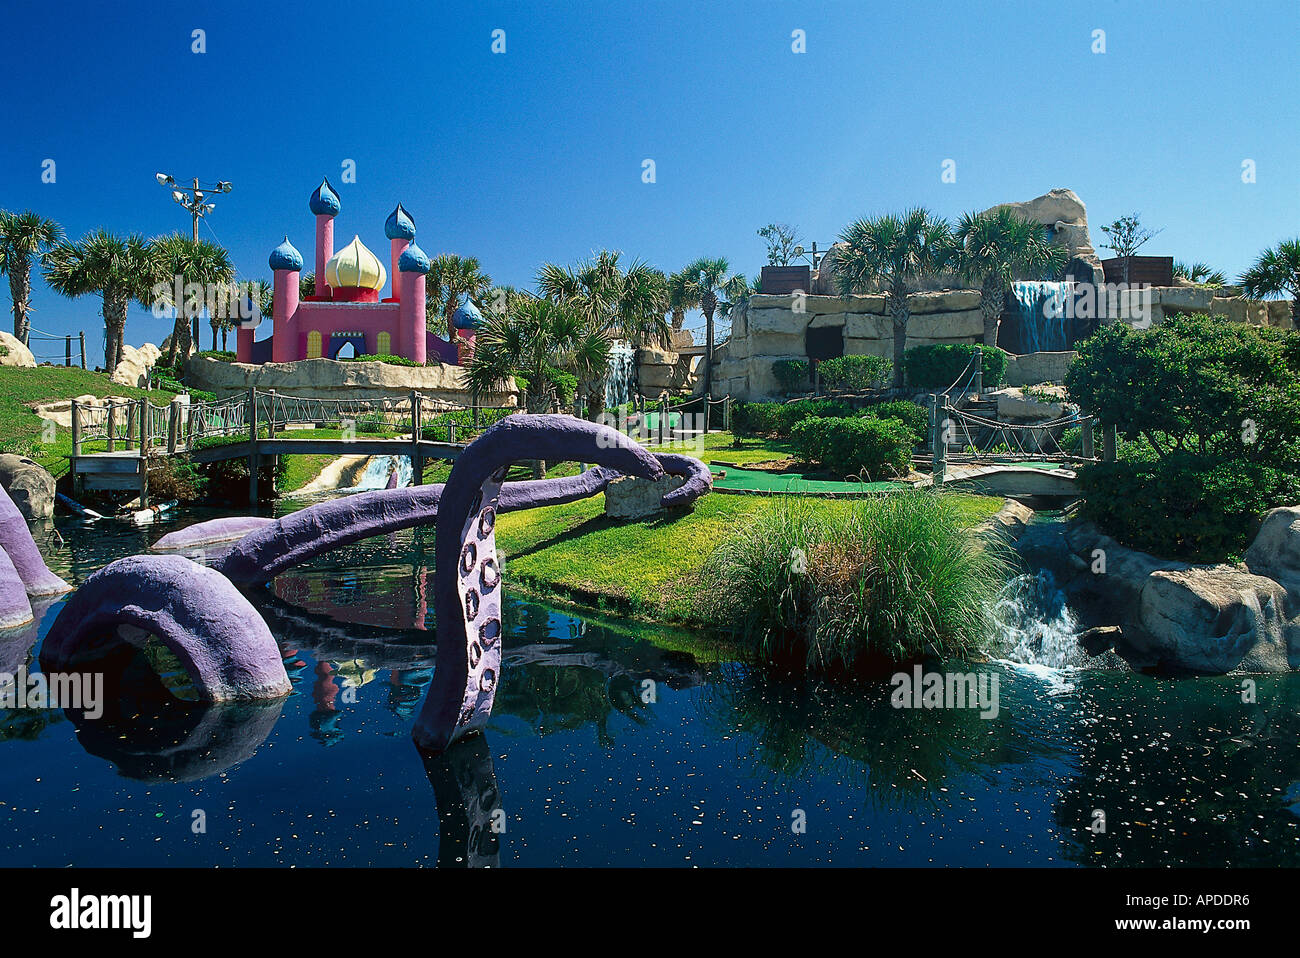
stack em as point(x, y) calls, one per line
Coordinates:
point(1086, 435)
point(726, 412)
point(83, 349)
point(451, 431)
point(708, 401)
point(941, 464)
point(1108, 442)
point(417, 425)
point(146, 439)
point(270, 418)
point(76, 446)
point(476, 412)
point(130, 425)
point(173, 426)
point(977, 357)
point(252, 445)
point(110, 424)
point(67, 351)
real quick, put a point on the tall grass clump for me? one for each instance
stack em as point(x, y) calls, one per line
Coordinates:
point(882, 581)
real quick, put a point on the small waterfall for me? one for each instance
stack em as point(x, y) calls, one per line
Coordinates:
point(378, 470)
point(1038, 628)
point(1044, 315)
point(618, 378)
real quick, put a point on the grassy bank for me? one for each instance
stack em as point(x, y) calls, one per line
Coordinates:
point(650, 568)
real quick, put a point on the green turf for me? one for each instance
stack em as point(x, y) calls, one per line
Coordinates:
point(758, 480)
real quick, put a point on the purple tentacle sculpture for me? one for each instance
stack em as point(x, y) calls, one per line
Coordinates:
point(16, 539)
point(228, 650)
point(195, 611)
point(211, 532)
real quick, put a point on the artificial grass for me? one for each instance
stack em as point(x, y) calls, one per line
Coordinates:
point(649, 567)
point(727, 447)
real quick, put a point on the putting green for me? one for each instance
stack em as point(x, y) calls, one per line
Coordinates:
point(756, 480)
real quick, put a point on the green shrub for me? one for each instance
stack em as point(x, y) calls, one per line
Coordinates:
point(885, 580)
point(937, 367)
point(774, 418)
point(753, 418)
point(908, 413)
point(855, 373)
point(856, 446)
point(435, 428)
point(372, 358)
point(221, 355)
point(1185, 506)
point(791, 375)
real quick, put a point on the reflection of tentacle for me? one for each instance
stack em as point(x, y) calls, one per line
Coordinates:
point(16, 539)
point(211, 532)
point(15, 608)
point(196, 612)
point(467, 574)
point(465, 789)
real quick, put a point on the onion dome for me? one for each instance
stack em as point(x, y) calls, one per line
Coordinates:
point(399, 225)
point(285, 256)
point(325, 202)
point(467, 316)
point(355, 267)
point(413, 260)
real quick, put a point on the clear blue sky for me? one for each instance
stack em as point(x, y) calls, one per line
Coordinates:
point(536, 154)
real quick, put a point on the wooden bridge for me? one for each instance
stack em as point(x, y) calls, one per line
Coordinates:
point(113, 444)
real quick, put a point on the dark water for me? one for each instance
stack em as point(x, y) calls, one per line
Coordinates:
point(577, 769)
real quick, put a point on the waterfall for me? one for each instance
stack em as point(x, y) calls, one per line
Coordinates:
point(1044, 315)
point(618, 377)
point(379, 468)
point(1037, 628)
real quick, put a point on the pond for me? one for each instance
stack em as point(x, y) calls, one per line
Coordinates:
point(617, 743)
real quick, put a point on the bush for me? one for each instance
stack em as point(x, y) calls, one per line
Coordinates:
point(1185, 506)
point(221, 355)
point(753, 418)
point(885, 580)
point(856, 446)
point(372, 358)
point(908, 413)
point(791, 375)
point(435, 428)
point(774, 418)
point(855, 373)
point(939, 366)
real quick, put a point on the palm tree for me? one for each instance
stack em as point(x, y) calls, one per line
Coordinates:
point(532, 340)
point(450, 281)
point(1200, 273)
point(892, 253)
point(119, 269)
point(1276, 273)
point(613, 303)
point(995, 247)
point(708, 282)
point(180, 259)
point(681, 297)
point(22, 237)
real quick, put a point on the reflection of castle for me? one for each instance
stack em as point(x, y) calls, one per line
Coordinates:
point(347, 309)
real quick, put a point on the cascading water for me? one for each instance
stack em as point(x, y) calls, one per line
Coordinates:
point(378, 471)
point(1038, 630)
point(618, 377)
point(1044, 315)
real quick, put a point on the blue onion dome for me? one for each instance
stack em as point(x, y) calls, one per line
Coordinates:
point(325, 202)
point(413, 260)
point(285, 256)
point(467, 316)
point(399, 225)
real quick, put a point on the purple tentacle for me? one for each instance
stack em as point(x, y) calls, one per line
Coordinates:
point(16, 539)
point(225, 529)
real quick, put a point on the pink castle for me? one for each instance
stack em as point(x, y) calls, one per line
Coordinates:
point(347, 308)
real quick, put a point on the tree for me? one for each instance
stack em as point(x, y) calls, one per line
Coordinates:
point(995, 247)
point(120, 269)
point(708, 281)
point(1276, 273)
point(613, 303)
point(24, 236)
point(532, 340)
point(892, 253)
point(185, 262)
point(681, 297)
point(782, 241)
point(451, 280)
point(1127, 236)
point(1200, 273)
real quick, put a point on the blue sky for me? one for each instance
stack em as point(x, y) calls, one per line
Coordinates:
point(536, 154)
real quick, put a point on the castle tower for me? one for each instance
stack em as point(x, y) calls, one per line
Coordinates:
point(325, 205)
point(466, 321)
point(286, 265)
point(412, 267)
point(400, 230)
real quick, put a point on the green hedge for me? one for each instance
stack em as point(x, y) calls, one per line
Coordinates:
point(792, 375)
point(435, 428)
point(856, 446)
point(906, 412)
point(939, 366)
point(855, 373)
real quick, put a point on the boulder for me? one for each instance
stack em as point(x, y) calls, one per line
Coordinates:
point(1215, 620)
point(14, 353)
point(1062, 212)
point(29, 486)
point(1030, 369)
point(1014, 405)
point(1276, 550)
point(134, 368)
point(945, 301)
point(631, 497)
